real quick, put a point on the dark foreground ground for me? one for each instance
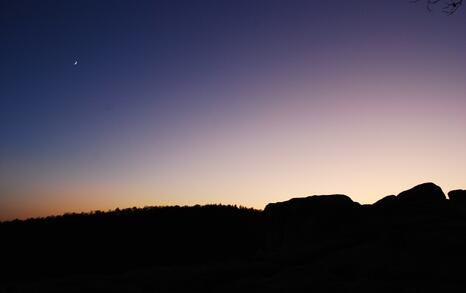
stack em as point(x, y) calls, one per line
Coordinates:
point(412, 242)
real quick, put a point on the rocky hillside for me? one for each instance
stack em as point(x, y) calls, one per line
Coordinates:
point(411, 242)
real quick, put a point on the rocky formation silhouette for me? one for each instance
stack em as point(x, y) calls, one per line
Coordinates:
point(412, 242)
point(458, 195)
point(424, 193)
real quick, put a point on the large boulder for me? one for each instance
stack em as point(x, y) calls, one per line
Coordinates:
point(387, 201)
point(458, 195)
point(304, 223)
point(423, 193)
point(311, 205)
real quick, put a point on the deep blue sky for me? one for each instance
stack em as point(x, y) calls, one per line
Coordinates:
point(176, 101)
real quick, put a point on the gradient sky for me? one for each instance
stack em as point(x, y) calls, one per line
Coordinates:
point(237, 102)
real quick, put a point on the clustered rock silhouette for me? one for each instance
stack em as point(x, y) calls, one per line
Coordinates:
point(412, 242)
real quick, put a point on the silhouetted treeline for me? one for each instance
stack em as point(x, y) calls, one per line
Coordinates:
point(411, 242)
point(118, 240)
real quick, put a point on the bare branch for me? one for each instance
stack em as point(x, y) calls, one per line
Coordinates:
point(450, 6)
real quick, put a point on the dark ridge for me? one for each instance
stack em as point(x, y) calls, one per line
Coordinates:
point(458, 195)
point(413, 242)
point(387, 201)
point(427, 192)
point(315, 203)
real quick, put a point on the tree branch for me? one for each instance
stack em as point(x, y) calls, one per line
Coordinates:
point(450, 6)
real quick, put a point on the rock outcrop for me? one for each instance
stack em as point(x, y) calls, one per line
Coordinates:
point(301, 223)
point(388, 201)
point(316, 221)
point(423, 193)
point(458, 195)
point(311, 205)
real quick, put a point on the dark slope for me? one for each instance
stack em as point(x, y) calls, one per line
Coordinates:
point(412, 242)
point(125, 239)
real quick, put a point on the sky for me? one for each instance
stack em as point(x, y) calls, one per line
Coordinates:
point(108, 104)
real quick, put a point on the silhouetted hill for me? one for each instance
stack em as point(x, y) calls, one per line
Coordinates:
point(115, 241)
point(457, 195)
point(299, 224)
point(412, 242)
point(423, 193)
